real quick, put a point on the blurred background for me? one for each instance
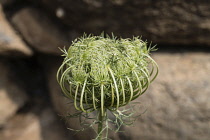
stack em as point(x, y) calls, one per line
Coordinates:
point(178, 102)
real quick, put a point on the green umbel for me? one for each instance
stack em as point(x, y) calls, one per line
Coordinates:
point(101, 73)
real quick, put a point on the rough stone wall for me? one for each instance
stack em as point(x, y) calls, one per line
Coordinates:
point(31, 102)
point(166, 22)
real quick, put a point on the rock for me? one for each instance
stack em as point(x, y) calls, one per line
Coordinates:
point(40, 32)
point(6, 2)
point(33, 126)
point(10, 42)
point(22, 127)
point(12, 97)
point(177, 102)
point(163, 22)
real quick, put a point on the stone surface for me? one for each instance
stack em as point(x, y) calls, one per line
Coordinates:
point(43, 125)
point(40, 32)
point(177, 102)
point(10, 41)
point(6, 2)
point(12, 97)
point(163, 22)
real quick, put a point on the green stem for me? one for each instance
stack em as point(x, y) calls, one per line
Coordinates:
point(100, 124)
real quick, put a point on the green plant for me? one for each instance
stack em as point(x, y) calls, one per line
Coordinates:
point(102, 74)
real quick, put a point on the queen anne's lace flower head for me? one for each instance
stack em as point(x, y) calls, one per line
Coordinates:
point(103, 73)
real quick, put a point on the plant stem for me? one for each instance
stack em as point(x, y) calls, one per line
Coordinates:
point(100, 124)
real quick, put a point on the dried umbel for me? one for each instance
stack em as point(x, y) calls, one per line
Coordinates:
point(101, 73)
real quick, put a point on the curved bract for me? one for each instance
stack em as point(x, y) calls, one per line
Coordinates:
point(104, 73)
point(100, 72)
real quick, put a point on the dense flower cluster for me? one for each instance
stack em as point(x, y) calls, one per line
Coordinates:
point(105, 73)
